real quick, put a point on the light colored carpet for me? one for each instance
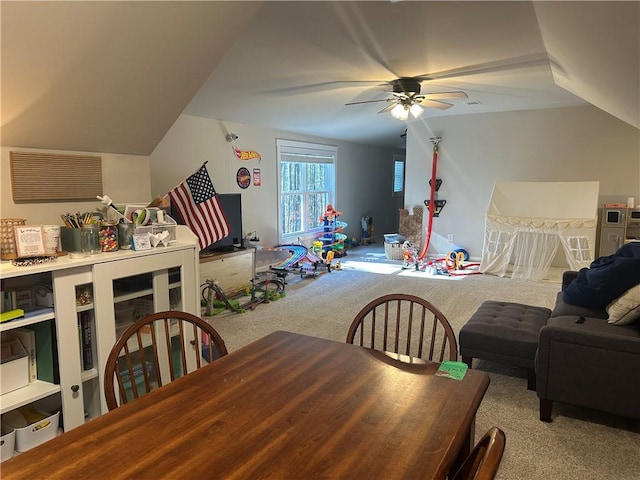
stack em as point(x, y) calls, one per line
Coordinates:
point(579, 444)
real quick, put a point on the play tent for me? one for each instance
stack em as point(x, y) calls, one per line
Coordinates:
point(526, 222)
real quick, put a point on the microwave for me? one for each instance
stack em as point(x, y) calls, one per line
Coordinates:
point(613, 216)
point(634, 217)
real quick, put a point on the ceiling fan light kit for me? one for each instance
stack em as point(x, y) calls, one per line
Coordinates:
point(406, 98)
point(416, 110)
point(400, 112)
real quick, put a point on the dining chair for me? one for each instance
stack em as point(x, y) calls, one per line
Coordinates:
point(484, 460)
point(156, 350)
point(405, 325)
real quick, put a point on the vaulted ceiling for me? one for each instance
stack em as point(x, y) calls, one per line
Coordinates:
point(114, 76)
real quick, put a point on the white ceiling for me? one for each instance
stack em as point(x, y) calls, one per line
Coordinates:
point(114, 76)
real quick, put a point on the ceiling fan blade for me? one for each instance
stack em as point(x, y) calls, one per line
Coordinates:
point(371, 101)
point(444, 95)
point(388, 107)
point(323, 86)
point(489, 67)
point(436, 104)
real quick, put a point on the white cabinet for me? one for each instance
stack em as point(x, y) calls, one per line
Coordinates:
point(232, 271)
point(96, 292)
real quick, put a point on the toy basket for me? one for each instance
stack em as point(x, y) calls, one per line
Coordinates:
point(393, 250)
point(8, 249)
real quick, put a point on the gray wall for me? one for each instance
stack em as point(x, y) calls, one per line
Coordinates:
point(563, 144)
point(363, 174)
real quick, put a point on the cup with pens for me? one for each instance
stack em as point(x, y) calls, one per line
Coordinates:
point(71, 232)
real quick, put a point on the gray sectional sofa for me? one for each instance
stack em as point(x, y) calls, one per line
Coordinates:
point(583, 360)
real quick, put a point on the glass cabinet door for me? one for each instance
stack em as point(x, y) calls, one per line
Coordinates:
point(140, 286)
point(80, 372)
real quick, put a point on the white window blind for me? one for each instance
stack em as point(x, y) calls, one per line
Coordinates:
point(398, 175)
point(306, 185)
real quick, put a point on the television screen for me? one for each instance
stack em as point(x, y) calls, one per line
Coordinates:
point(231, 204)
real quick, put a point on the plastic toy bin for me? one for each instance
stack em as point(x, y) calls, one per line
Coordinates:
point(38, 432)
point(7, 443)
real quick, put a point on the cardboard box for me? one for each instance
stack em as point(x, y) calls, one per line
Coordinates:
point(14, 369)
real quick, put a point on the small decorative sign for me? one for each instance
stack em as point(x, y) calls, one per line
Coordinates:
point(243, 177)
point(141, 241)
point(246, 154)
point(29, 240)
point(256, 177)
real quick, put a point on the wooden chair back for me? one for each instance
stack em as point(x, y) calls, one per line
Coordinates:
point(158, 349)
point(406, 325)
point(484, 460)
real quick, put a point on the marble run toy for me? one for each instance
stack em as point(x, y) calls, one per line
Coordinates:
point(332, 237)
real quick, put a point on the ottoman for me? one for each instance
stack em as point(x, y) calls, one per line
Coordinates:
point(506, 333)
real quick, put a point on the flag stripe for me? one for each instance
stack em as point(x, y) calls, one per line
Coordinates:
point(191, 217)
point(206, 219)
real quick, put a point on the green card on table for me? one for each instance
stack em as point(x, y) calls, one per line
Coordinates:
point(451, 369)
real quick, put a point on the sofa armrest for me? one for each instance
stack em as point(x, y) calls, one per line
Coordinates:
point(592, 333)
point(591, 364)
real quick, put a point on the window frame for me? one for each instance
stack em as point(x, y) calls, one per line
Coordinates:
point(309, 153)
point(398, 159)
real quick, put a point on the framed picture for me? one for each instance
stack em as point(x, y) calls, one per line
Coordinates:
point(243, 177)
point(130, 209)
point(29, 241)
point(141, 241)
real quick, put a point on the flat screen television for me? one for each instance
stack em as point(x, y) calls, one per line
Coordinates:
point(231, 204)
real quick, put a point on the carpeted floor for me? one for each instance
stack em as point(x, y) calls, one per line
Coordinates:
point(579, 444)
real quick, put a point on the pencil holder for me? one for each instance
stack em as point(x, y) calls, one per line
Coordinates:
point(70, 239)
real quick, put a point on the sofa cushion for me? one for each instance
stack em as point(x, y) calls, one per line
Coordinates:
point(606, 279)
point(625, 309)
point(562, 309)
point(598, 331)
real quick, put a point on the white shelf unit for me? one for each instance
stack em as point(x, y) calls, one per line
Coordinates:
point(79, 393)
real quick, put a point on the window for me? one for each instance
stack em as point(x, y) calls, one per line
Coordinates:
point(398, 176)
point(306, 181)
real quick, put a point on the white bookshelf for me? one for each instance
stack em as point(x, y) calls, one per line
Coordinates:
point(79, 392)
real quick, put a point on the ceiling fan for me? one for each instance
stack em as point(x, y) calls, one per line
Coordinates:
point(407, 98)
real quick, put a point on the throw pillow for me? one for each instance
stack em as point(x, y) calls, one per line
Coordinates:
point(625, 309)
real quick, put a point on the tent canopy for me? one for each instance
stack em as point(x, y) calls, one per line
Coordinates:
point(527, 221)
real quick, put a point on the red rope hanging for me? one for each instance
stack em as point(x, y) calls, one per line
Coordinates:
point(432, 197)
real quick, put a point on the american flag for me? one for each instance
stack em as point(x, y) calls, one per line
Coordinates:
point(197, 203)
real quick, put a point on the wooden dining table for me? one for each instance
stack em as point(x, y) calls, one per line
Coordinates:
point(287, 406)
